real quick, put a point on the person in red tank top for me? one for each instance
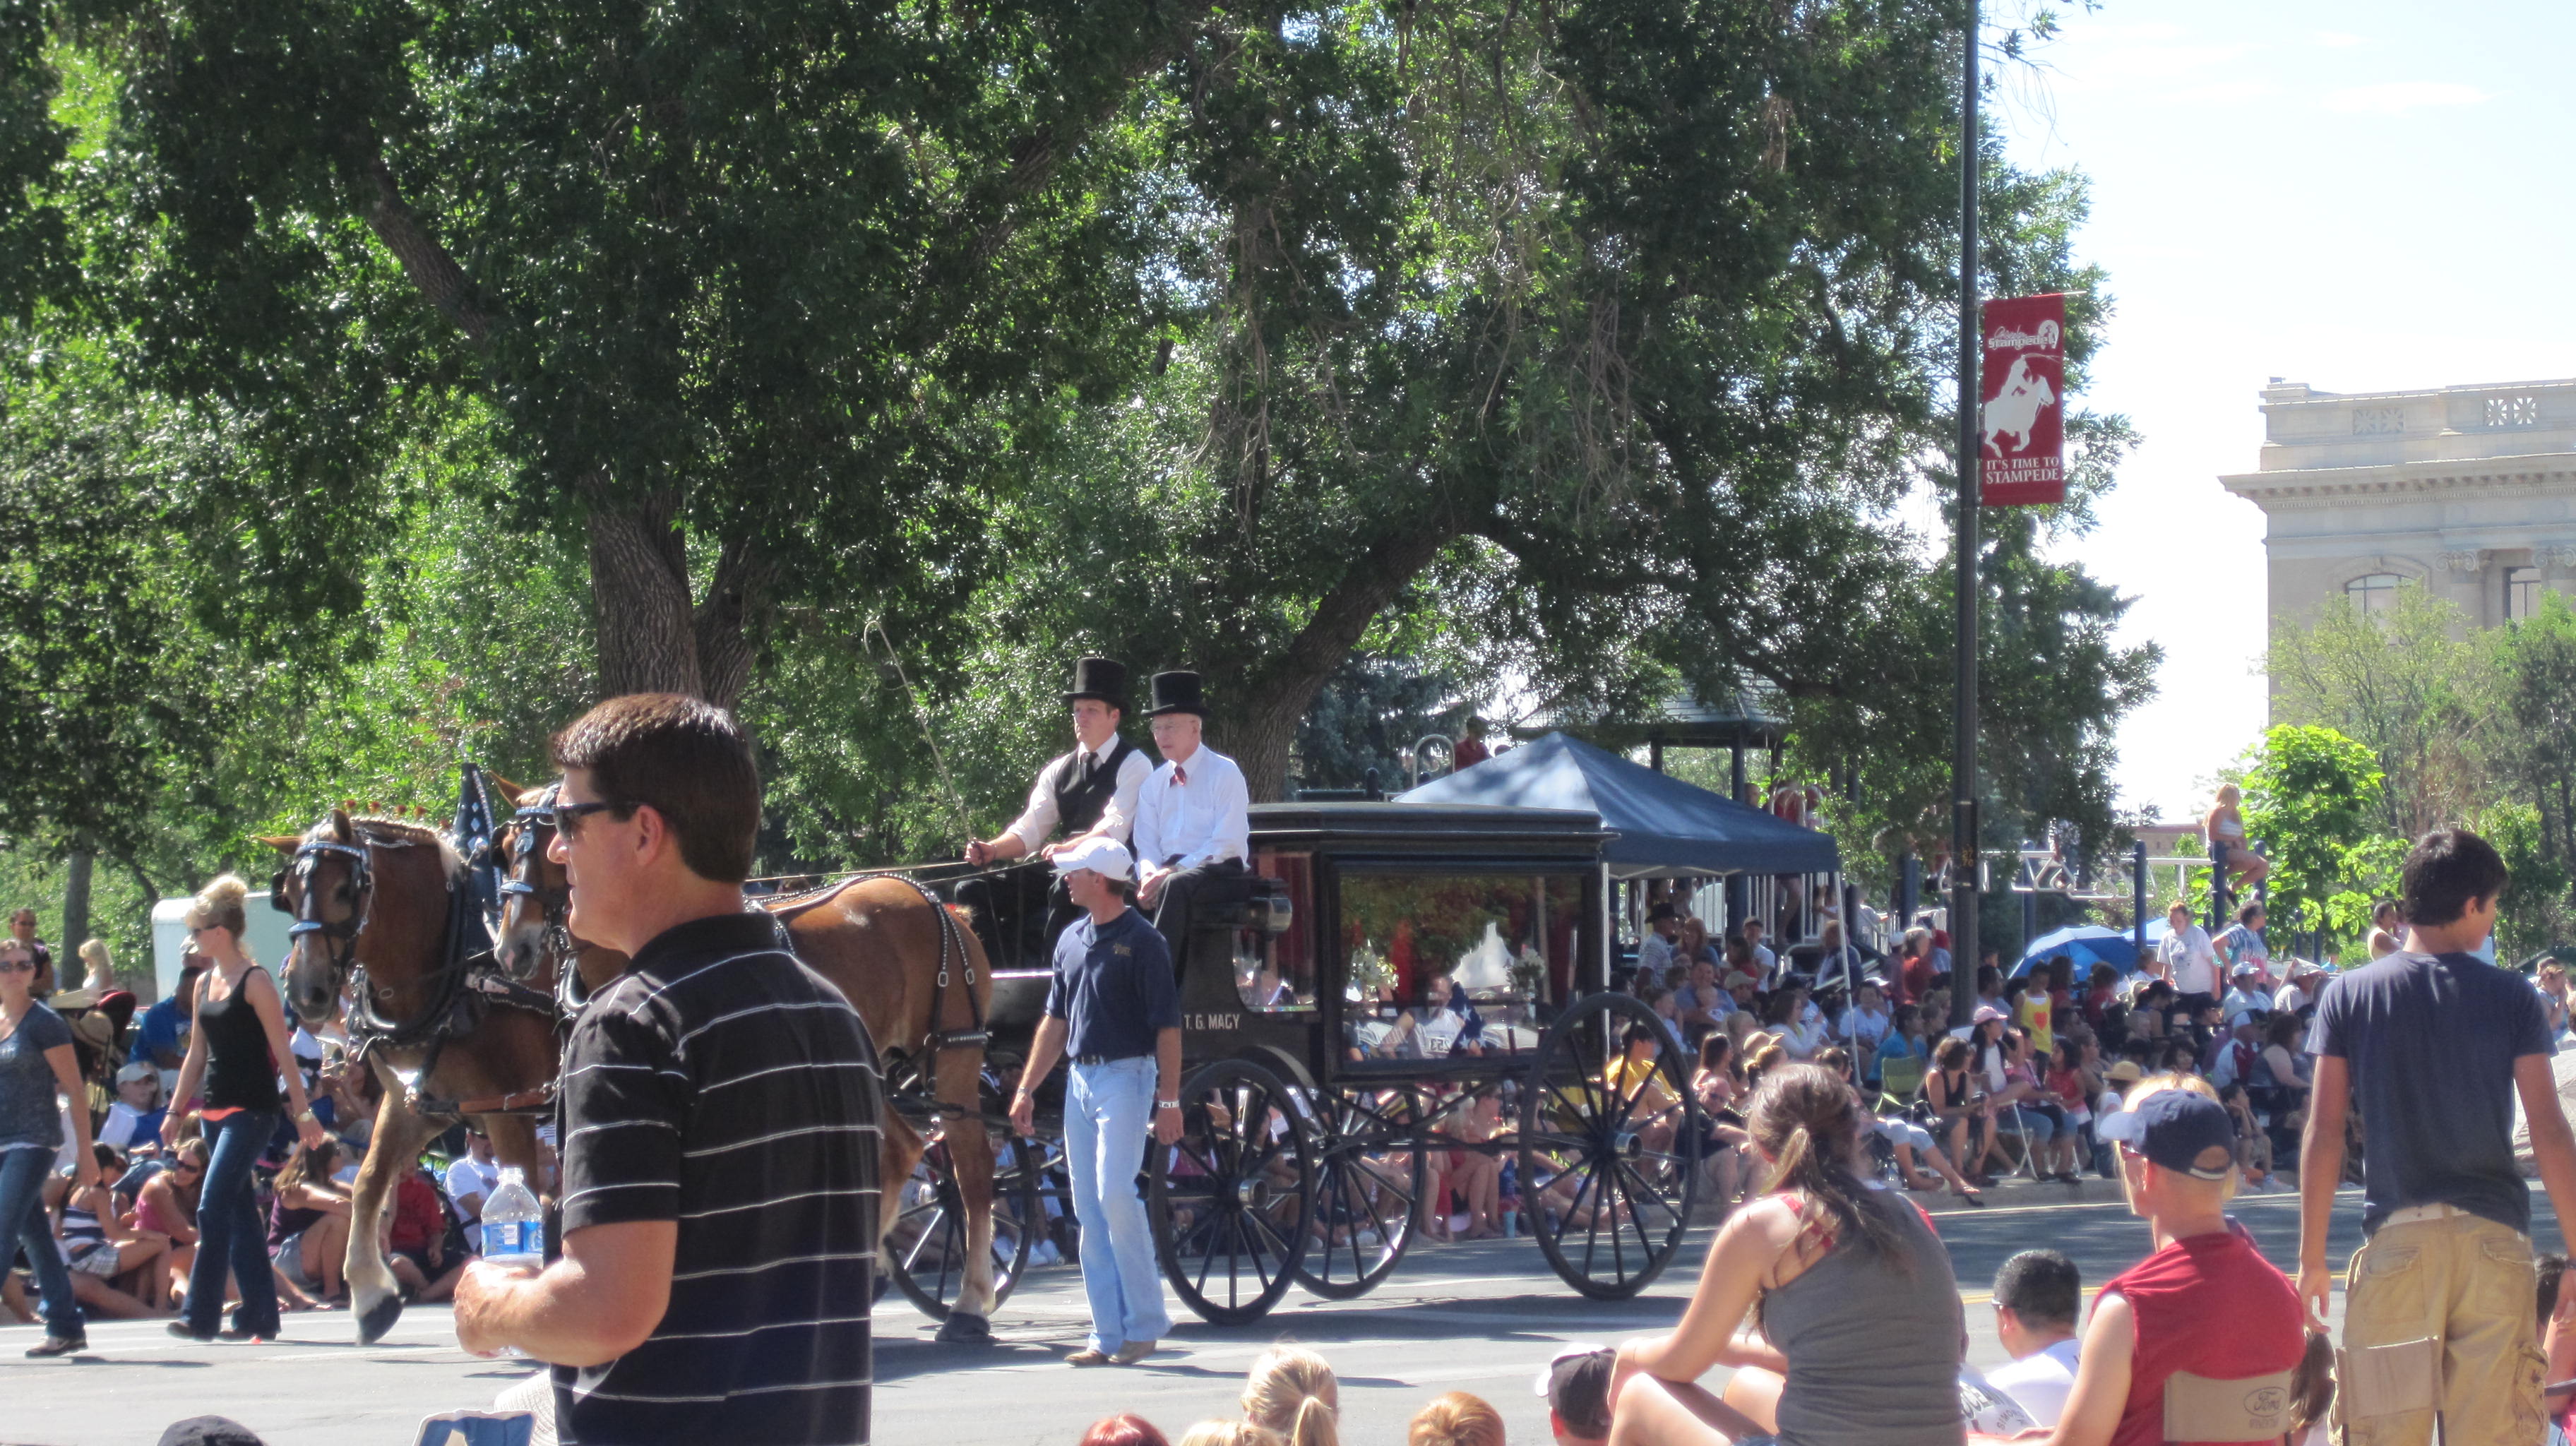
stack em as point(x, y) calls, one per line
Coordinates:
point(2205, 1302)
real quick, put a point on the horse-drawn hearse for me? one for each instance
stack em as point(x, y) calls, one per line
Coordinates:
point(1389, 982)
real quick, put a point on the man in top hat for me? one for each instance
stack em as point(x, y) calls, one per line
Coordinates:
point(1091, 790)
point(1193, 819)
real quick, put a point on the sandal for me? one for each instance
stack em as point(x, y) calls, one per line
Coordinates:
point(1974, 1198)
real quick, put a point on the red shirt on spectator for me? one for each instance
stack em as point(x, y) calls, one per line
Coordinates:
point(2095, 1001)
point(1918, 979)
point(418, 1220)
point(1468, 753)
point(2207, 1304)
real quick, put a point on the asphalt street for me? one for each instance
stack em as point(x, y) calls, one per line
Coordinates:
point(1474, 1317)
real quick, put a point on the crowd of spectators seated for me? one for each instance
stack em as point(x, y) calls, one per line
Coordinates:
point(130, 1240)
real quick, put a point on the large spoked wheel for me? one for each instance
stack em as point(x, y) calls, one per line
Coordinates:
point(1370, 1175)
point(1230, 1201)
point(1609, 1148)
point(926, 1250)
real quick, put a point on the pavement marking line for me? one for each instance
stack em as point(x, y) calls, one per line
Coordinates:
point(1972, 1212)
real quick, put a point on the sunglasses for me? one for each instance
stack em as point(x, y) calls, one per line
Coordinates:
point(566, 818)
point(12, 966)
point(185, 1169)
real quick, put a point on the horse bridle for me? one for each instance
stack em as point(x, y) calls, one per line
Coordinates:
point(556, 903)
point(339, 941)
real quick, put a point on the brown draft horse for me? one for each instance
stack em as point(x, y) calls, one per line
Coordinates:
point(378, 893)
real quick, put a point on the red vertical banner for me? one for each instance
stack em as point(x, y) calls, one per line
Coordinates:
point(2022, 455)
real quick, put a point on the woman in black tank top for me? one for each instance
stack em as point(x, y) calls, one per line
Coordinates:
point(239, 1037)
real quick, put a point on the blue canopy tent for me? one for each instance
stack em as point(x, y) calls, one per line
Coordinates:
point(1665, 827)
point(2086, 944)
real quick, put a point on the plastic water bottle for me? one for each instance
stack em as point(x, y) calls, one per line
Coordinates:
point(514, 1226)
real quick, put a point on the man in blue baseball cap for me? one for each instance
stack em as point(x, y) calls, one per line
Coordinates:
point(2197, 1342)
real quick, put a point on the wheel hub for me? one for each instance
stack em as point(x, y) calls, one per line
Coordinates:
point(1246, 1193)
point(1625, 1144)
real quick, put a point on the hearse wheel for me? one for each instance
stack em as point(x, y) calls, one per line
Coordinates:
point(926, 1250)
point(1607, 1175)
point(1370, 1177)
point(1229, 1202)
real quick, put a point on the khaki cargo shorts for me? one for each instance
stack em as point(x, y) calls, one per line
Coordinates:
point(2440, 1319)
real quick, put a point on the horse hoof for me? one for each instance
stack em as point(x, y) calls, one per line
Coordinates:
point(377, 1319)
point(966, 1330)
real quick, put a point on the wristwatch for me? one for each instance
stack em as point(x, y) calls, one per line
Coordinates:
point(1167, 1104)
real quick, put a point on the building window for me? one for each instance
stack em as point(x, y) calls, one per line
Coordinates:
point(2376, 593)
point(2521, 592)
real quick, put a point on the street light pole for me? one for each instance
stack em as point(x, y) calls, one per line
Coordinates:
point(1963, 766)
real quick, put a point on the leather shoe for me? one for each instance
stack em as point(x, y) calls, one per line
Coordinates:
point(1134, 1351)
point(57, 1346)
point(1087, 1358)
point(181, 1329)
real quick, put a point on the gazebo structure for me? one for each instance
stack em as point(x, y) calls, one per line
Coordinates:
point(1736, 721)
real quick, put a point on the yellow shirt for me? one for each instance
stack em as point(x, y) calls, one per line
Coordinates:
point(2034, 1013)
point(1626, 1077)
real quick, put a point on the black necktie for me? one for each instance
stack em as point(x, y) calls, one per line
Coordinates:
point(1090, 767)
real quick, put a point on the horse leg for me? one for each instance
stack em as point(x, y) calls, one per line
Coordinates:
point(375, 1298)
point(970, 1154)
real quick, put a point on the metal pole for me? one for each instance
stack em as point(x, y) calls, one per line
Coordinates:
point(1963, 766)
point(2138, 894)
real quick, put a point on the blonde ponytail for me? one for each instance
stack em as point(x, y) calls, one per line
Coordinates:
point(1292, 1390)
point(1316, 1425)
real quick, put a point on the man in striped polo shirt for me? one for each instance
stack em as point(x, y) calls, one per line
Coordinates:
point(718, 1116)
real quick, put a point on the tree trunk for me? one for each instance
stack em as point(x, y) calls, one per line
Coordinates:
point(723, 621)
point(76, 877)
point(1260, 731)
point(639, 587)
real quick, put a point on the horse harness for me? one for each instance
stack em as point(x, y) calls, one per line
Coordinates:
point(567, 1000)
point(464, 986)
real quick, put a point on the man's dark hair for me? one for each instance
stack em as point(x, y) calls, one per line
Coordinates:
point(2042, 1287)
point(2445, 870)
point(688, 760)
point(2246, 911)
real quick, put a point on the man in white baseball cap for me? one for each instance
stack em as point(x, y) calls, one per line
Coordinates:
point(1115, 1007)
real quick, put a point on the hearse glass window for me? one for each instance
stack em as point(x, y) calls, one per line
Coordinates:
point(1443, 965)
point(1276, 972)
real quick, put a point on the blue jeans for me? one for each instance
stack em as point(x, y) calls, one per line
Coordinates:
point(230, 1235)
point(23, 1223)
point(1108, 1112)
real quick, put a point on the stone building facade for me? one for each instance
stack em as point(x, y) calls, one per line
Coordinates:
point(2470, 490)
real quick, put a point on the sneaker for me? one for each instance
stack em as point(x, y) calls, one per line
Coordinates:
point(1134, 1351)
point(57, 1346)
point(1087, 1358)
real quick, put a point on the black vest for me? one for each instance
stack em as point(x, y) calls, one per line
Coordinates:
point(1079, 805)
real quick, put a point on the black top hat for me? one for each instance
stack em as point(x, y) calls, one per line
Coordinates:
point(1177, 693)
point(1102, 679)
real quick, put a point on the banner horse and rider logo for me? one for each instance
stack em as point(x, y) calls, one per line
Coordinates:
point(2023, 454)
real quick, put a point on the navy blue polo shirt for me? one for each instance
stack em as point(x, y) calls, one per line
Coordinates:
point(1113, 987)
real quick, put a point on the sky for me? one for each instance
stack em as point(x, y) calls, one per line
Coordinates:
point(2360, 196)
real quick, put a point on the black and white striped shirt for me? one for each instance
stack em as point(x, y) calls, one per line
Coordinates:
point(722, 1084)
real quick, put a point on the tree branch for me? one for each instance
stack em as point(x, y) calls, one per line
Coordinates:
point(431, 270)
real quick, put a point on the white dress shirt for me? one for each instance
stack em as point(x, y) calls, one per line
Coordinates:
point(1038, 820)
point(1196, 808)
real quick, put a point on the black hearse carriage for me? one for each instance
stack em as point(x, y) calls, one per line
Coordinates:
point(1394, 980)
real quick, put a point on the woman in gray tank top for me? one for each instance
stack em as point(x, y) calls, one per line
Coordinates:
point(1860, 1325)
